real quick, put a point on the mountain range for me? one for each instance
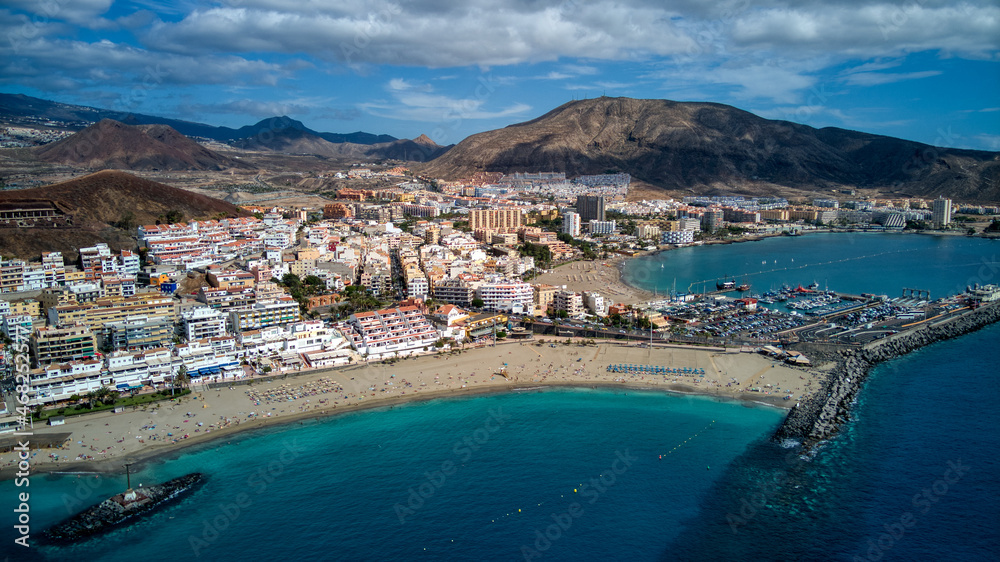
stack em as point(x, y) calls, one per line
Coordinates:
point(284, 134)
point(688, 147)
point(21, 109)
point(716, 149)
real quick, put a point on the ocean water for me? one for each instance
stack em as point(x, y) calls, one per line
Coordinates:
point(851, 263)
point(454, 479)
point(598, 474)
point(915, 474)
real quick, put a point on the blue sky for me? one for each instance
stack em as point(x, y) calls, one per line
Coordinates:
point(925, 70)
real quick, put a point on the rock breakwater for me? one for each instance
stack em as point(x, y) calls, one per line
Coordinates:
point(820, 416)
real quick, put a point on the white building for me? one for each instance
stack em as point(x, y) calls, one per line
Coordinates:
point(941, 210)
point(569, 301)
point(203, 322)
point(312, 335)
point(59, 381)
point(691, 224)
point(571, 224)
point(602, 227)
point(393, 331)
point(678, 237)
point(17, 327)
point(417, 287)
point(506, 295)
point(595, 303)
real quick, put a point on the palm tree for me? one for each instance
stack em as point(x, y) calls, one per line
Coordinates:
point(180, 378)
point(102, 393)
point(90, 396)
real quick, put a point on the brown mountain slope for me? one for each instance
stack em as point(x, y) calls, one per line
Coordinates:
point(713, 147)
point(98, 205)
point(111, 144)
point(292, 140)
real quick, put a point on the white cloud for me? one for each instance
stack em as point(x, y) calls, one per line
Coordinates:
point(65, 64)
point(988, 141)
point(417, 102)
point(872, 30)
point(876, 78)
point(481, 33)
point(781, 82)
point(80, 12)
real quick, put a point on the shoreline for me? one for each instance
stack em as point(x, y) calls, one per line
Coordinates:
point(155, 456)
point(569, 366)
point(821, 416)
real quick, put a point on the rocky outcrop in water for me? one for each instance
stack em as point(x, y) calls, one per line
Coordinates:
point(119, 509)
point(820, 416)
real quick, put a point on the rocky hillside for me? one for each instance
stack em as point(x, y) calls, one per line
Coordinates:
point(708, 147)
point(111, 144)
point(101, 207)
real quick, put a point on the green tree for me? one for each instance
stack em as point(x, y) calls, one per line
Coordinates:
point(126, 221)
point(478, 302)
point(180, 379)
point(174, 216)
point(291, 281)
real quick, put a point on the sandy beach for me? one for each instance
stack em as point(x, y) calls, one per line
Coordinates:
point(603, 276)
point(103, 442)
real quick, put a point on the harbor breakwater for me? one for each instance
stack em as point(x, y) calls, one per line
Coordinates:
point(820, 416)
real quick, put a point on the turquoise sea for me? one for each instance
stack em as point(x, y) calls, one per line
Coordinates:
point(851, 263)
point(596, 475)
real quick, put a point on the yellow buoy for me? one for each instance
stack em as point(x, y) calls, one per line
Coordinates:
point(574, 490)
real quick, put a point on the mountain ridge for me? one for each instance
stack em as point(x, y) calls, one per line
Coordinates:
point(80, 116)
point(715, 148)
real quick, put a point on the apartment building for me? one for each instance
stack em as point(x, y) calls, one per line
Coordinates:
point(51, 344)
point(224, 299)
point(571, 224)
point(500, 220)
point(506, 295)
point(262, 315)
point(390, 332)
point(590, 207)
point(59, 381)
point(106, 310)
point(543, 295)
point(203, 322)
point(138, 332)
point(455, 291)
point(570, 302)
point(229, 279)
